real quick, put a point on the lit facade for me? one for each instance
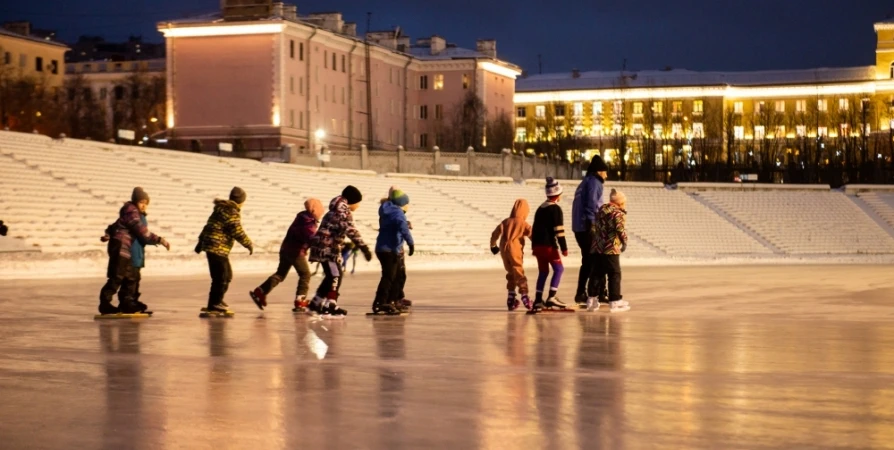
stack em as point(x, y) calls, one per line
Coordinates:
point(25, 55)
point(307, 81)
point(678, 117)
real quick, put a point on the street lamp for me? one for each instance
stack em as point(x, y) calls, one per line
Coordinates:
point(320, 133)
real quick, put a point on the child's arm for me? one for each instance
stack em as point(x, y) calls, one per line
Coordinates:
point(621, 227)
point(559, 221)
point(494, 237)
point(354, 235)
point(234, 229)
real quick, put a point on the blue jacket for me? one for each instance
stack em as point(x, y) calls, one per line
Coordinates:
point(393, 229)
point(137, 252)
point(587, 201)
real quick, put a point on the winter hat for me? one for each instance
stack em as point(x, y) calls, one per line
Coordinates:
point(552, 187)
point(352, 195)
point(597, 165)
point(238, 195)
point(399, 198)
point(618, 197)
point(314, 207)
point(138, 195)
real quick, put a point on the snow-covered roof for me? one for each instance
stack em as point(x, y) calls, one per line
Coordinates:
point(6, 32)
point(424, 52)
point(681, 78)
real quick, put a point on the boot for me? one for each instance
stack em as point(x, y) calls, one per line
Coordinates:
point(144, 308)
point(259, 298)
point(385, 308)
point(511, 302)
point(217, 308)
point(333, 310)
point(128, 307)
point(554, 302)
point(405, 303)
point(301, 304)
point(107, 308)
point(526, 301)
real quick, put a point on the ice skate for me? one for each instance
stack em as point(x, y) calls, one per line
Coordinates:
point(259, 298)
point(404, 303)
point(385, 309)
point(301, 304)
point(107, 308)
point(526, 301)
point(592, 304)
point(581, 300)
point(619, 306)
point(218, 310)
point(332, 309)
point(511, 302)
point(555, 303)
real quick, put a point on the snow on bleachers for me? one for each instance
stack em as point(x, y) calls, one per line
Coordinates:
point(882, 203)
point(804, 222)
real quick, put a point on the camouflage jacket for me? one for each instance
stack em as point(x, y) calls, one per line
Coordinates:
point(337, 224)
point(224, 225)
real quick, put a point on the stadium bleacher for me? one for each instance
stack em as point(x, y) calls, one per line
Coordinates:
point(60, 195)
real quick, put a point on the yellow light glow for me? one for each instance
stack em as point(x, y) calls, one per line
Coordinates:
point(221, 30)
point(153, 120)
point(170, 119)
point(499, 70)
point(275, 117)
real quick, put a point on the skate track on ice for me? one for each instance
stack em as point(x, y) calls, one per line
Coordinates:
point(771, 357)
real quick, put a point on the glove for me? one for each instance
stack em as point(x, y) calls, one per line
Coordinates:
point(104, 238)
point(623, 247)
point(251, 250)
point(199, 247)
point(412, 250)
point(366, 253)
point(3, 229)
point(164, 243)
point(409, 225)
point(564, 252)
point(495, 250)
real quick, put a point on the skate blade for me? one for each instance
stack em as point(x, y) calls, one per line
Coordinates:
point(205, 314)
point(381, 314)
point(551, 311)
point(326, 316)
point(122, 316)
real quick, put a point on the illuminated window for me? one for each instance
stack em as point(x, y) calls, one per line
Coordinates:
point(698, 107)
point(801, 106)
point(638, 128)
point(780, 131)
point(521, 112)
point(738, 107)
point(540, 111)
point(822, 105)
point(439, 82)
point(843, 129)
point(739, 132)
point(465, 81)
point(677, 108)
point(597, 108)
point(801, 130)
point(616, 129)
point(658, 107)
point(698, 130)
point(759, 108)
point(760, 132)
point(780, 106)
point(617, 107)
point(658, 130)
point(577, 109)
point(521, 134)
point(638, 108)
point(677, 130)
point(822, 131)
point(843, 104)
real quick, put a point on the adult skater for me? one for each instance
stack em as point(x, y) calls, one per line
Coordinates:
point(216, 240)
point(587, 201)
point(393, 232)
point(293, 254)
point(127, 256)
point(547, 240)
point(610, 240)
point(326, 248)
point(511, 233)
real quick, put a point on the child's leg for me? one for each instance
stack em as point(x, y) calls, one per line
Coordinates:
point(558, 270)
point(282, 271)
point(543, 272)
point(510, 273)
point(328, 278)
point(613, 265)
point(389, 262)
point(303, 269)
point(400, 279)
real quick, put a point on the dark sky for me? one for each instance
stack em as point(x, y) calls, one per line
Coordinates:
point(584, 34)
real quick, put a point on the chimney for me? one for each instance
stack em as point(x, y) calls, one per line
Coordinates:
point(403, 44)
point(575, 73)
point(438, 44)
point(277, 9)
point(22, 27)
point(350, 29)
point(487, 46)
point(328, 21)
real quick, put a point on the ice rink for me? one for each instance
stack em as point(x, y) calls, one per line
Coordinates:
point(738, 357)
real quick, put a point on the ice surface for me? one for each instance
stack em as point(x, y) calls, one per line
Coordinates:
point(709, 357)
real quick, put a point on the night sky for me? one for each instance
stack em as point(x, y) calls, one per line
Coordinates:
point(589, 35)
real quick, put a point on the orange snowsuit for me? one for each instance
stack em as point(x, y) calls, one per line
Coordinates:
point(512, 232)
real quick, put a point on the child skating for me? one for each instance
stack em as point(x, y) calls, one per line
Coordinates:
point(547, 240)
point(326, 248)
point(216, 240)
point(126, 239)
point(609, 242)
point(511, 233)
point(393, 232)
point(293, 254)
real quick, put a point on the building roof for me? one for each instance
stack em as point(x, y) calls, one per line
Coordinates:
point(452, 52)
point(682, 78)
point(36, 39)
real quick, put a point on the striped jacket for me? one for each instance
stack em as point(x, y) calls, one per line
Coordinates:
point(337, 224)
point(131, 227)
point(224, 225)
point(609, 231)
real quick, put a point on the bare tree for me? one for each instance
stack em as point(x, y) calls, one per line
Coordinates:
point(467, 123)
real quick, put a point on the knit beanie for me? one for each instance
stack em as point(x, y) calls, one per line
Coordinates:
point(597, 165)
point(238, 195)
point(399, 198)
point(314, 207)
point(552, 187)
point(138, 195)
point(352, 195)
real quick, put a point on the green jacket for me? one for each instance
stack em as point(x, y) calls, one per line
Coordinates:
point(224, 225)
